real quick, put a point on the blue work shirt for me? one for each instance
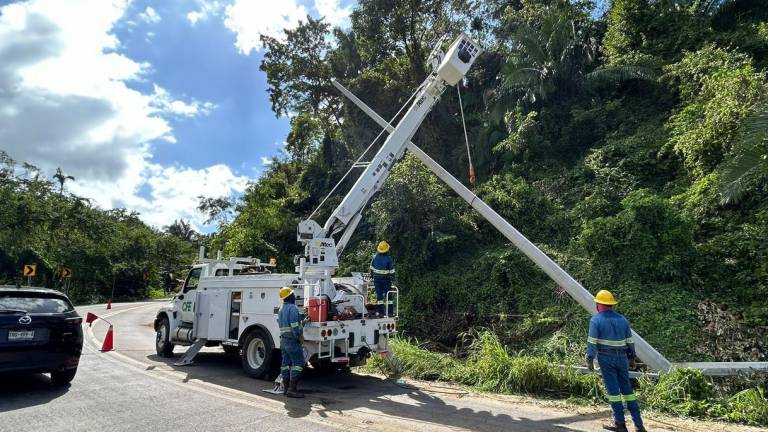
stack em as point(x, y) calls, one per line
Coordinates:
point(289, 321)
point(610, 332)
point(382, 266)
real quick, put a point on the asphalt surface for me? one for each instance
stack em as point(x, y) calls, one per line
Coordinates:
point(131, 389)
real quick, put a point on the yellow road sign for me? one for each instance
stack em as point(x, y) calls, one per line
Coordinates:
point(66, 273)
point(30, 270)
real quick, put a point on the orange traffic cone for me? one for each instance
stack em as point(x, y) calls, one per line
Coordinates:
point(109, 303)
point(90, 318)
point(108, 341)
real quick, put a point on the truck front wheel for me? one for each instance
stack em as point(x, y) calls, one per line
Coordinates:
point(256, 354)
point(163, 345)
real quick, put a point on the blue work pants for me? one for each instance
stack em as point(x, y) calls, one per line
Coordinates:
point(293, 358)
point(615, 370)
point(383, 285)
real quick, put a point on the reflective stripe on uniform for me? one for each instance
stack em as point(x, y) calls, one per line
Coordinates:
point(284, 368)
point(630, 340)
point(294, 325)
point(384, 272)
point(629, 398)
point(614, 399)
point(612, 343)
point(296, 368)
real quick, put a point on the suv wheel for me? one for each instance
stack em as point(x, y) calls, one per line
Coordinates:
point(62, 378)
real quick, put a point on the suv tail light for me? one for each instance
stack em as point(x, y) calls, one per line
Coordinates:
point(74, 321)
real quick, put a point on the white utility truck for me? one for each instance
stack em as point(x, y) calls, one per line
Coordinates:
point(234, 302)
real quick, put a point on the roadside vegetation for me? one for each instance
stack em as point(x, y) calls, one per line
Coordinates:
point(488, 366)
point(41, 223)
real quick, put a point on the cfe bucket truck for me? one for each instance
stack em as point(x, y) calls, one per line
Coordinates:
point(234, 302)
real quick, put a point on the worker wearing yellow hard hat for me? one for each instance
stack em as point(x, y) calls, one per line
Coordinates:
point(610, 341)
point(383, 271)
point(290, 343)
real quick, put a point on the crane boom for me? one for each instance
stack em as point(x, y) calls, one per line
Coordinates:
point(321, 249)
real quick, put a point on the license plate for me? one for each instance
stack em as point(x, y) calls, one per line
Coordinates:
point(21, 335)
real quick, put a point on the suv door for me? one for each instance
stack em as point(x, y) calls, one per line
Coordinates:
point(189, 294)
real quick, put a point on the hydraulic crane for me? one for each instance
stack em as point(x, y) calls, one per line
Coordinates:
point(450, 68)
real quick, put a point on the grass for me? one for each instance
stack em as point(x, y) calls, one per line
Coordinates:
point(490, 367)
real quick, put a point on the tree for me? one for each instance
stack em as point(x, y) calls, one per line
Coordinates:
point(182, 230)
point(61, 178)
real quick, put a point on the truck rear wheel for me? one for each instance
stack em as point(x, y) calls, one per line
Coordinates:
point(257, 354)
point(163, 345)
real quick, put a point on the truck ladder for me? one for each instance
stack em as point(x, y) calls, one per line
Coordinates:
point(189, 355)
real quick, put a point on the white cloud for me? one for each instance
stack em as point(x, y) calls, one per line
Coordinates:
point(333, 12)
point(250, 20)
point(266, 161)
point(65, 103)
point(164, 102)
point(205, 10)
point(150, 16)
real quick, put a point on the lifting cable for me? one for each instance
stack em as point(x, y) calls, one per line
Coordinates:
point(472, 176)
point(355, 164)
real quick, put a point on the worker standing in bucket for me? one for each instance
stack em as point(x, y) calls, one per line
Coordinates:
point(290, 343)
point(382, 270)
point(610, 340)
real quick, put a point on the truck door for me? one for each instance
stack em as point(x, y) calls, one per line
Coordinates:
point(189, 294)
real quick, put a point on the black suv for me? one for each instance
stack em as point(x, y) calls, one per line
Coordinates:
point(40, 332)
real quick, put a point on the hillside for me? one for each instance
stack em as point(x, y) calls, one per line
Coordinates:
point(611, 141)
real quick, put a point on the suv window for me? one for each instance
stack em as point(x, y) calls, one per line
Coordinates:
point(192, 279)
point(34, 304)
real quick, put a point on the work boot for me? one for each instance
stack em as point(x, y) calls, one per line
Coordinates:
point(286, 383)
point(292, 392)
point(616, 427)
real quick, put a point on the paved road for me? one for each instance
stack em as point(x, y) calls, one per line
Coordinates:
point(133, 389)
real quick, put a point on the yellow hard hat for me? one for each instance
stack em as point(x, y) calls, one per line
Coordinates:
point(605, 297)
point(285, 292)
point(383, 247)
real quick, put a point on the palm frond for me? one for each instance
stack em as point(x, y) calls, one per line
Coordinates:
point(751, 158)
point(620, 73)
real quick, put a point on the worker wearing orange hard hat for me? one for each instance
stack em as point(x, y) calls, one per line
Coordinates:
point(610, 341)
point(382, 271)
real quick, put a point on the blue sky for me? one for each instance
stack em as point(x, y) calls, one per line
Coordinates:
point(202, 62)
point(148, 104)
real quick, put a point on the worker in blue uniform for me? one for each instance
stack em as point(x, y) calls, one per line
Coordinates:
point(610, 340)
point(382, 271)
point(290, 343)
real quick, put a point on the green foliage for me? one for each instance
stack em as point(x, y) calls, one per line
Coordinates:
point(718, 88)
point(687, 392)
point(751, 160)
point(646, 241)
point(40, 223)
point(416, 213)
point(490, 367)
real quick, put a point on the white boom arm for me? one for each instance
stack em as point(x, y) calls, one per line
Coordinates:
point(647, 353)
point(454, 65)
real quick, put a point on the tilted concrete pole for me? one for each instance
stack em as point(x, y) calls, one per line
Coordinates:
point(645, 351)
